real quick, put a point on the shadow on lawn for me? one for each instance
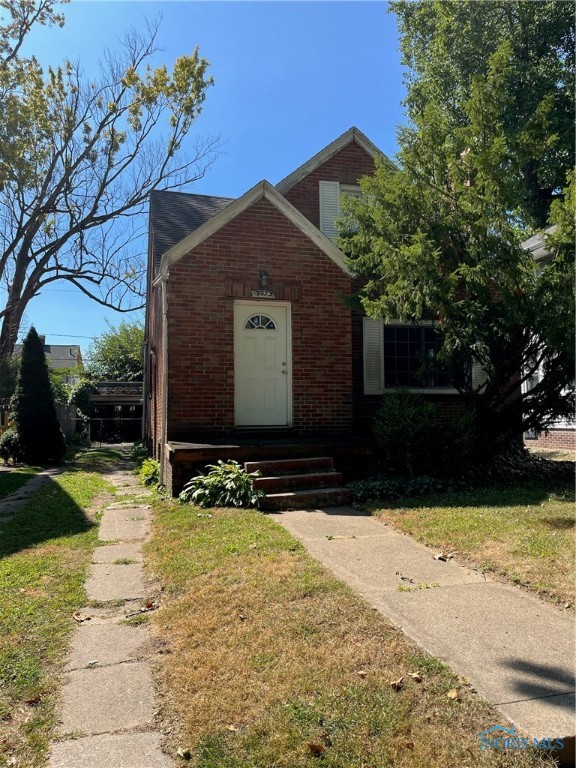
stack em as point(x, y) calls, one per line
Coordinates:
point(50, 514)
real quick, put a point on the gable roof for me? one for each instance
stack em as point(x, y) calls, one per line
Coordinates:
point(174, 215)
point(262, 190)
point(59, 357)
point(352, 135)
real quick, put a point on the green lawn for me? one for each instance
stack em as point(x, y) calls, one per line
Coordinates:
point(267, 660)
point(14, 479)
point(44, 556)
point(524, 533)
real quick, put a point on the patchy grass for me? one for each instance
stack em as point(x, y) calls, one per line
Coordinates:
point(98, 459)
point(13, 479)
point(524, 533)
point(270, 661)
point(44, 556)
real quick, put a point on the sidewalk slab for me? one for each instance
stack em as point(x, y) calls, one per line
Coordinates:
point(124, 525)
point(121, 750)
point(115, 582)
point(105, 644)
point(517, 651)
point(113, 552)
point(107, 699)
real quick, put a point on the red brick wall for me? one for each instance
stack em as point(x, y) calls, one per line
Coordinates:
point(346, 166)
point(201, 292)
point(556, 438)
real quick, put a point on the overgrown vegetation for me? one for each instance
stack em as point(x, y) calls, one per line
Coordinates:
point(44, 556)
point(270, 661)
point(226, 485)
point(486, 160)
point(149, 472)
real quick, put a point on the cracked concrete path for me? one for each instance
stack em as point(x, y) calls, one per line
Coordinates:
point(106, 717)
point(517, 651)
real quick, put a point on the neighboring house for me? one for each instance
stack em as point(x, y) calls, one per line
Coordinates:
point(562, 434)
point(247, 336)
point(61, 357)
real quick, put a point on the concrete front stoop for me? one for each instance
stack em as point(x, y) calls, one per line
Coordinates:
point(107, 706)
point(515, 650)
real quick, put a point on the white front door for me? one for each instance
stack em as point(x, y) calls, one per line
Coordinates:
point(261, 364)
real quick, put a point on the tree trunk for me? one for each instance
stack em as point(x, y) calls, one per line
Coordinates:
point(10, 328)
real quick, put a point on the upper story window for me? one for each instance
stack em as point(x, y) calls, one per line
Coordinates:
point(330, 210)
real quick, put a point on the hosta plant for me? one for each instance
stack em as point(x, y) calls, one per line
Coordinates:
point(226, 485)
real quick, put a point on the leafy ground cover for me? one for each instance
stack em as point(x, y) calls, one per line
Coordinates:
point(267, 660)
point(44, 556)
point(522, 532)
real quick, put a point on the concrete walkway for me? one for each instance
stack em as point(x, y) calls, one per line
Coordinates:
point(516, 651)
point(107, 709)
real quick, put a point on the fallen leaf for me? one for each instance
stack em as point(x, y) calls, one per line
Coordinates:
point(329, 537)
point(80, 617)
point(397, 684)
point(242, 617)
point(453, 694)
point(416, 676)
point(232, 728)
point(441, 556)
point(404, 578)
point(362, 673)
point(184, 752)
point(92, 663)
point(315, 748)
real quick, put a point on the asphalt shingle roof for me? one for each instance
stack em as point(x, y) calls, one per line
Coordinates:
point(58, 356)
point(174, 215)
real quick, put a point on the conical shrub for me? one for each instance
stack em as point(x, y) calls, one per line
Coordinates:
point(33, 409)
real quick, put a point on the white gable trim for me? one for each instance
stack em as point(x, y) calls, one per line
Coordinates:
point(262, 190)
point(351, 135)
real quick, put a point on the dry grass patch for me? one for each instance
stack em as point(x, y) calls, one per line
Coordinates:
point(524, 533)
point(270, 661)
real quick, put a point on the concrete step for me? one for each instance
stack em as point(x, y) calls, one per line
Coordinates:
point(279, 483)
point(309, 499)
point(291, 466)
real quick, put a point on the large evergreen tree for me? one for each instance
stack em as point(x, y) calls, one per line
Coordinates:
point(33, 408)
point(487, 157)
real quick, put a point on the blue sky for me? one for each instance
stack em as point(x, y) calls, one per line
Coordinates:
point(289, 78)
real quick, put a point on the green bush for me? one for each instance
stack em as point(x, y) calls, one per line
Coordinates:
point(10, 447)
point(149, 472)
point(414, 438)
point(227, 485)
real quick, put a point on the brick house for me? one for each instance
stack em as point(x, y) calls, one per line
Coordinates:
point(247, 336)
point(250, 350)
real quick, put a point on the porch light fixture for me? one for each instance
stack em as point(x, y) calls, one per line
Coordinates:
point(264, 280)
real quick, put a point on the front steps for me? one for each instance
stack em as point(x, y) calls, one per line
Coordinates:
point(299, 483)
